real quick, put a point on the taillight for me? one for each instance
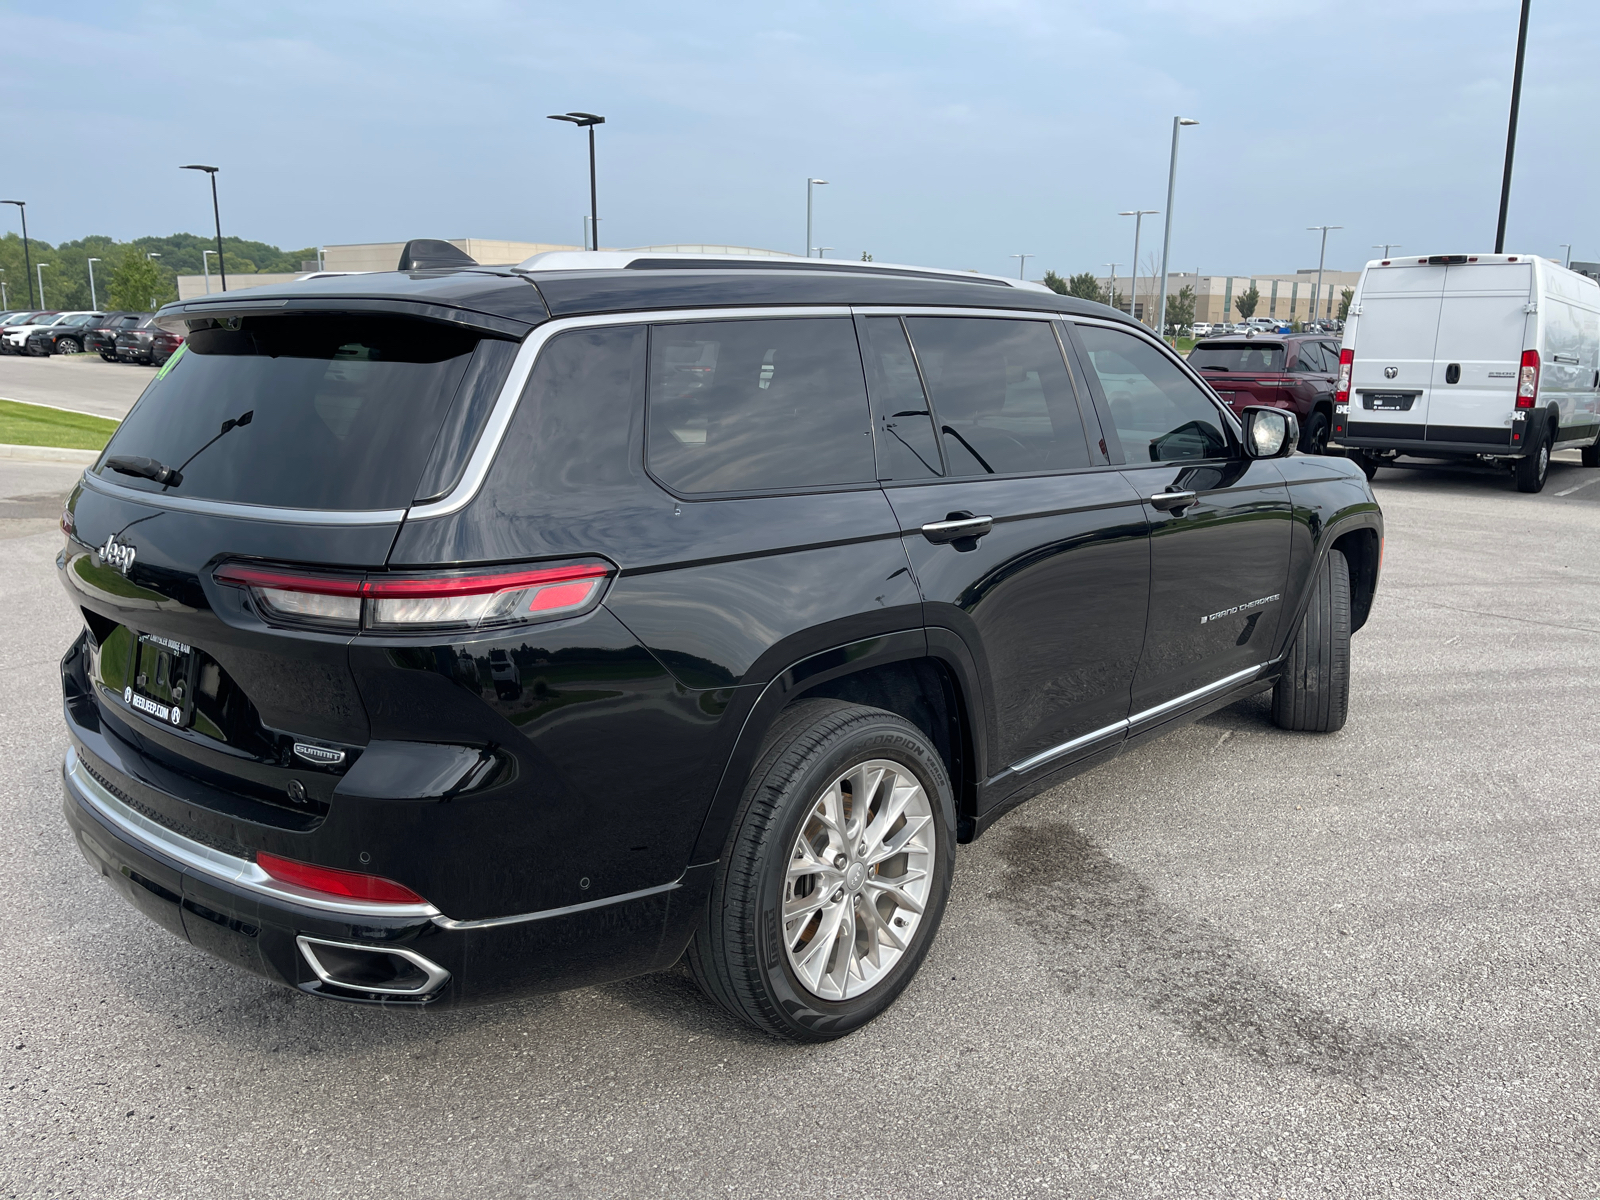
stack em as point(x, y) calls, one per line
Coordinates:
point(330, 881)
point(1528, 380)
point(1341, 391)
point(401, 603)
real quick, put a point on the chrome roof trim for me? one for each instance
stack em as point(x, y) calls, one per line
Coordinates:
point(212, 863)
point(245, 512)
point(505, 405)
point(947, 310)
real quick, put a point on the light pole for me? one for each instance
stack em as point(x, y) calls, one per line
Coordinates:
point(810, 183)
point(1138, 215)
point(94, 299)
point(39, 269)
point(1386, 247)
point(205, 265)
point(5, 304)
point(1022, 262)
point(822, 251)
point(587, 121)
point(27, 258)
point(1166, 239)
point(1566, 261)
point(1316, 292)
point(216, 213)
point(1511, 132)
point(152, 254)
point(1113, 300)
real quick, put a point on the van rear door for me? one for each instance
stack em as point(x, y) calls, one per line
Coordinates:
point(1394, 351)
point(1482, 320)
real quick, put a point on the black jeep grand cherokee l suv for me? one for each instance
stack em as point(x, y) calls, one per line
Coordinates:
point(466, 631)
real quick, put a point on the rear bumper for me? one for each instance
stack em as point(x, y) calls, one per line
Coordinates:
point(228, 907)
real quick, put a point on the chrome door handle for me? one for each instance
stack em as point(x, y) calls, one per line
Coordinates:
point(1173, 501)
point(954, 528)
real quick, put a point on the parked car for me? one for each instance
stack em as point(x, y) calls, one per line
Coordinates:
point(146, 342)
point(101, 337)
point(789, 577)
point(14, 335)
point(1296, 372)
point(1486, 357)
point(65, 336)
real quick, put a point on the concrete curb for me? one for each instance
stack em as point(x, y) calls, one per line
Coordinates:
point(55, 454)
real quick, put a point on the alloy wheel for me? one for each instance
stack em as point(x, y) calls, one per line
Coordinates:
point(858, 879)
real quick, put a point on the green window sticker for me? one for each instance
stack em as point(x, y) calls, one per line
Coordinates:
point(171, 362)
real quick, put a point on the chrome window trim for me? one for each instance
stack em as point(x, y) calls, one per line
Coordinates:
point(1183, 365)
point(436, 975)
point(1044, 756)
point(505, 405)
point(212, 863)
point(246, 512)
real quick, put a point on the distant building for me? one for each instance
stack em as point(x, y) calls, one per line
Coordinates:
point(1285, 296)
point(385, 256)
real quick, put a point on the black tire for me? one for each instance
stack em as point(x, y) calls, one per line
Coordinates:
point(738, 956)
point(1314, 438)
point(69, 346)
point(1313, 693)
point(1534, 467)
point(108, 357)
point(1591, 455)
point(1367, 462)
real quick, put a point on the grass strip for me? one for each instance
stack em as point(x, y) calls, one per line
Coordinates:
point(35, 425)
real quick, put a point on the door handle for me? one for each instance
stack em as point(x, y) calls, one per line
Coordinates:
point(1173, 502)
point(957, 526)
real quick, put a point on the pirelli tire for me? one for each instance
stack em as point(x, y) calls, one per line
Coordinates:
point(1313, 692)
point(752, 954)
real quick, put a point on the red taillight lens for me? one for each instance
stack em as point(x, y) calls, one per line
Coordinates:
point(1528, 379)
point(351, 884)
point(467, 600)
point(1341, 391)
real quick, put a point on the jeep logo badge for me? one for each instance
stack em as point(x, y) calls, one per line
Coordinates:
point(117, 554)
point(1390, 372)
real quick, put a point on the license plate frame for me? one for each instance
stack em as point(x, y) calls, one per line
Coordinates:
point(163, 680)
point(1388, 401)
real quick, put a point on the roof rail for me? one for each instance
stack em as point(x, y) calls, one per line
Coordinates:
point(635, 260)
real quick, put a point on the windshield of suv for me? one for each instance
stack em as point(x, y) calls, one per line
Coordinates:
point(1238, 356)
point(299, 412)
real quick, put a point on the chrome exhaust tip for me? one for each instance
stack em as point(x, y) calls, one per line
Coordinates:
point(375, 970)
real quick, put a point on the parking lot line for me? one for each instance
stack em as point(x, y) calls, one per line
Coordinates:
point(1578, 487)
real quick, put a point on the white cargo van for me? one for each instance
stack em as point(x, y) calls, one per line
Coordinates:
point(1495, 357)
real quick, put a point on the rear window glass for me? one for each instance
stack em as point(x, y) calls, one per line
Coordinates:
point(1238, 356)
point(342, 413)
point(758, 405)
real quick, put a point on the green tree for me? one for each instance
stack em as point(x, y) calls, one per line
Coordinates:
point(865, 257)
point(1345, 297)
point(1180, 309)
point(137, 284)
point(1056, 284)
point(1246, 303)
point(1084, 286)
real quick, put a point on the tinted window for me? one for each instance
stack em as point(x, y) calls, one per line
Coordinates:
point(757, 405)
point(1002, 397)
point(1238, 356)
point(907, 445)
point(1159, 414)
point(343, 412)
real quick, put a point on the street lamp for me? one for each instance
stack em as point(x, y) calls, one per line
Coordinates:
point(1138, 215)
point(39, 270)
point(1316, 292)
point(216, 213)
point(587, 121)
point(1113, 300)
point(94, 300)
point(1567, 260)
point(810, 183)
point(1166, 240)
point(205, 265)
point(152, 254)
point(1386, 247)
point(822, 251)
point(1022, 261)
point(1511, 131)
point(5, 304)
point(27, 258)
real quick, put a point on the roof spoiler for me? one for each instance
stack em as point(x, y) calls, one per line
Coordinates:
point(421, 254)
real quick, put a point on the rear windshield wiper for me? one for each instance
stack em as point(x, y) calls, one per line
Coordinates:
point(145, 468)
point(1213, 367)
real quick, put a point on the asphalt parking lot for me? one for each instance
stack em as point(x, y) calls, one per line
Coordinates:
point(1238, 963)
point(81, 382)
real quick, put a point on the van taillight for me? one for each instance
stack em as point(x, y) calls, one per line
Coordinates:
point(1341, 392)
point(1528, 380)
point(385, 603)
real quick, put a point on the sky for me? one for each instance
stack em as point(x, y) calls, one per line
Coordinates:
point(953, 133)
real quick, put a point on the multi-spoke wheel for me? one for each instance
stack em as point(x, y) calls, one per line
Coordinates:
point(835, 874)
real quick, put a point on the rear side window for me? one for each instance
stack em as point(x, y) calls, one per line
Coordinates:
point(1309, 358)
point(758, 405)
point(1159, 414)
point(1238, 356)
point(1002, 397)
point(299, 412)
point(908, 448)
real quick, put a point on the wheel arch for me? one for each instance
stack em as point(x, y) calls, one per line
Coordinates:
point(1363, 550)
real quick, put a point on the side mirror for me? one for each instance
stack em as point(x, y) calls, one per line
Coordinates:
point(1269, 432)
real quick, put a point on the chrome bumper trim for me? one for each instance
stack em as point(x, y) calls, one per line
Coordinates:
point(545, 914)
